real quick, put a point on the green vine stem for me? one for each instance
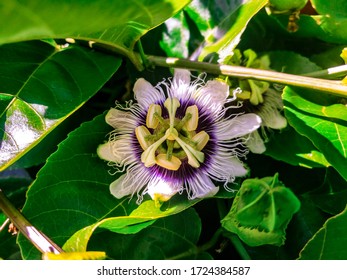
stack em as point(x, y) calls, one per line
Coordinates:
point(38, 239)
point(332, 87)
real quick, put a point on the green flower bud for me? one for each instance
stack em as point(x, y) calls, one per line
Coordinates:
point(261, 211)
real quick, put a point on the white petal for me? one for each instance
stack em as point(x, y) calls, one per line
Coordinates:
point(121, 120)
point(180, 84)
point(201, 186)
point(117, 190)
point(181, 76)
point(105, 152)
point(238, 169)
point(255, 143)
point(225, 167)
point(270, 111)
point(146, 94)
point(161, 190)
point(129, 183)
point(117, 151)
point(274, 120)
point(238, 126)
point(213, 96)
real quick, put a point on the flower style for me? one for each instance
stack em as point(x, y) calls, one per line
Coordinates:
point(176, 137)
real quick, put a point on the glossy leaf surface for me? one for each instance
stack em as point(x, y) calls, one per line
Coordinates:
point(41, 85)
point(321, 118)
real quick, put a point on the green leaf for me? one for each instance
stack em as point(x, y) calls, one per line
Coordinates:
point(322, 119)
point(261, 211)
point(140, 218)
point(73, 194)
point(41, 85)
point(331, 196)
point(334, 8)
point(118, 24)
point(295, 149)
point(72, 189)
point(231, 27)
point(330, 242)
point(175, 39)
point(173, 237)
point(291, 62)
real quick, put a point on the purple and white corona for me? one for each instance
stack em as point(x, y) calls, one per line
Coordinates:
point(178, 136)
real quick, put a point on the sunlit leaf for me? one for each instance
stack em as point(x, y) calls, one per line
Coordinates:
point(72, 190)
point(140, 218)
point(119, 24)
point(295, 149)
point(222, 36)
point(321, 118)
point(41, 85)
point(176, 37)
point(172, 237)
point(90, 255)
point(330, 242)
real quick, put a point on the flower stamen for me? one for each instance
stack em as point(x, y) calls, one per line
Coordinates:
point(173, 164)
point(192, 122)
point(152, 119)
point(142, 135)
point(201, 139)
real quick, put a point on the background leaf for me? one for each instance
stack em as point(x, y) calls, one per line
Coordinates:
point(72, 188)
point(119, 24)
point(41, 85)
point(162, 240)
point(226, 35)
point(293, 148)
point(140, 218)
point(321, 118)
point(331, 196)
point(330, 242)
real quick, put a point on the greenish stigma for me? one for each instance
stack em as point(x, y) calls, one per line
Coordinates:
point(172, 139)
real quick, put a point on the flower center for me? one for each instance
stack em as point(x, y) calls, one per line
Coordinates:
point(173, 139)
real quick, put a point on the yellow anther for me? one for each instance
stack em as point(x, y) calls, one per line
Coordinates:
point(141, 132)
point(171, 104)
point(201, 139)
point(172, 164)
point(151, 120)
point(192, 123)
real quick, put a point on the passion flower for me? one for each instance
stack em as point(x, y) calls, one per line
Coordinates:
point(176, 138)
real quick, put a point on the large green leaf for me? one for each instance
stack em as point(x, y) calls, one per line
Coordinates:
point(41, 84)
point(321, 118)
point(139, 219)
point(118, 24)
point(71, 192)
point(222, 23)
point(331, 196)
point(172, 237)
point(293, 148)
point(330, 242)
